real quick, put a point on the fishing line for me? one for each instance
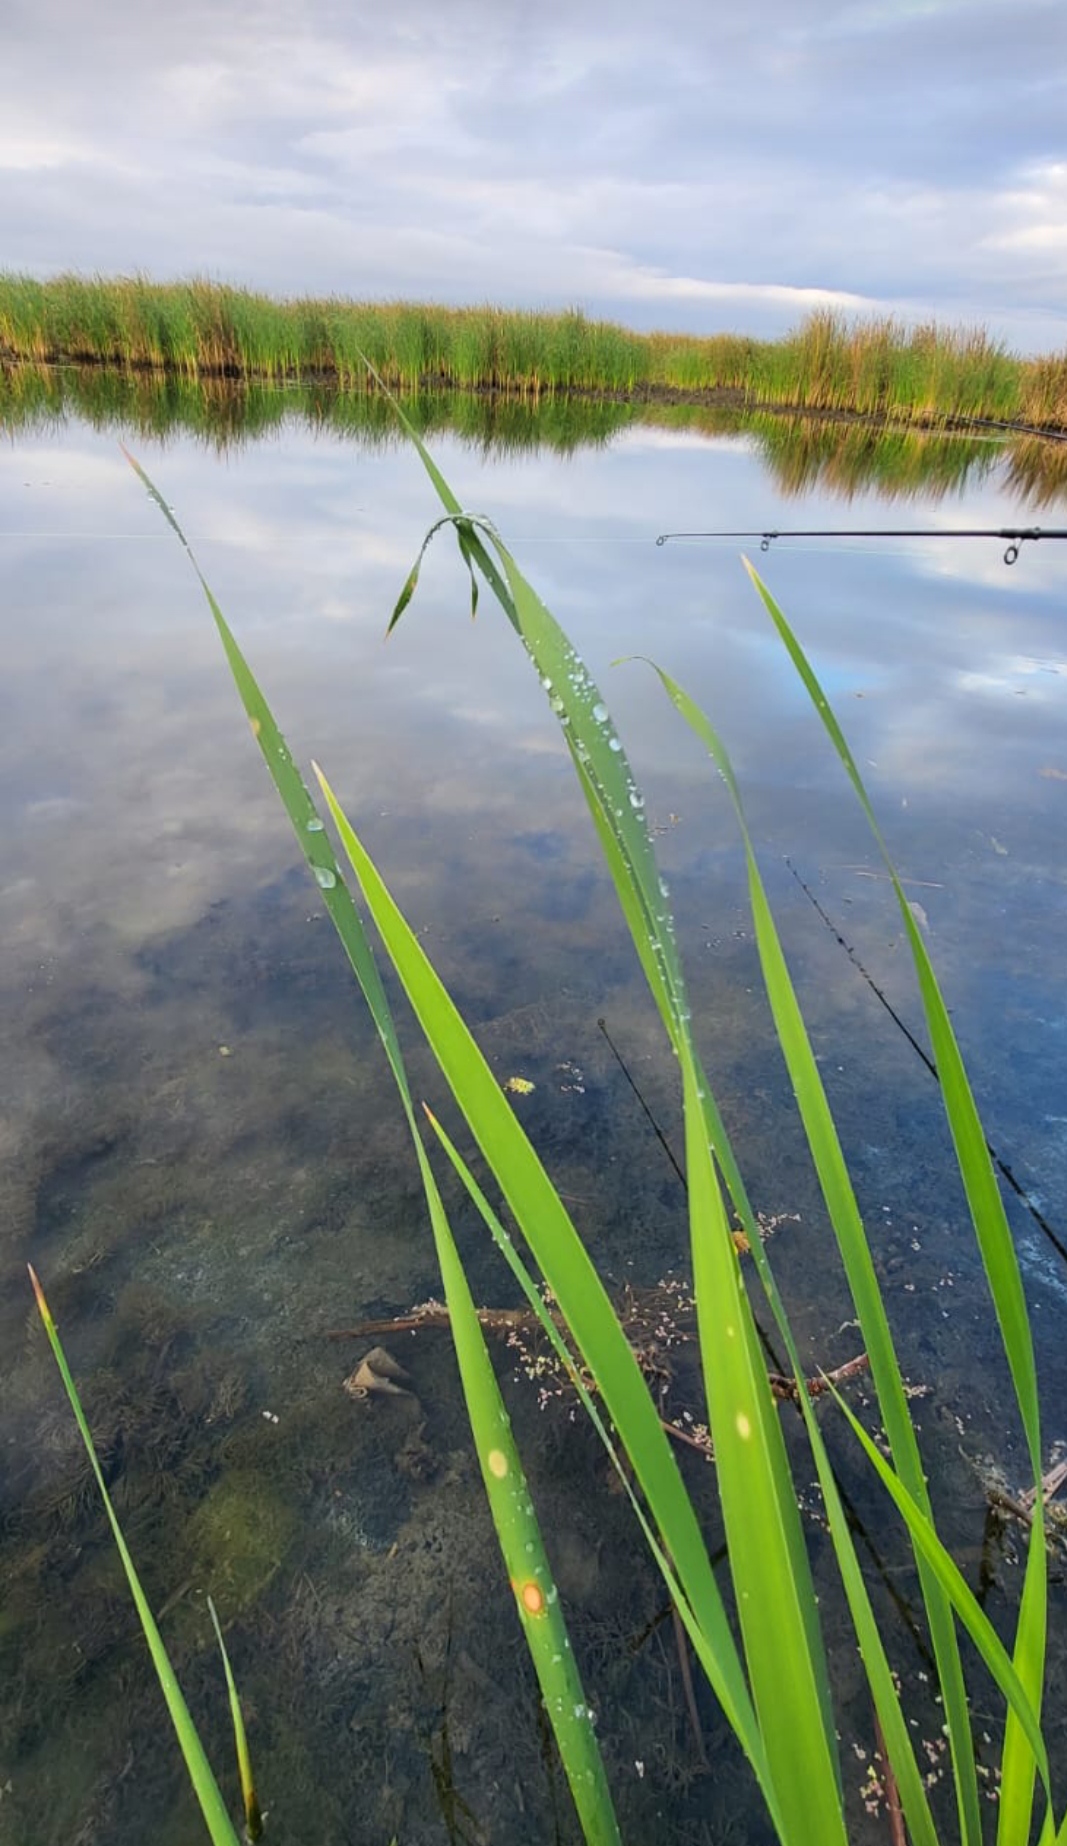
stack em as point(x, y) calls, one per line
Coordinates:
point(656, 1129)
point(1002, 1166)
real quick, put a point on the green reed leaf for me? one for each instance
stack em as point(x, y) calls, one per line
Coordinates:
point(837, 1189)
point(249, 1798)
point(201, 1775)
point(514, 1519)
point(998, 1257)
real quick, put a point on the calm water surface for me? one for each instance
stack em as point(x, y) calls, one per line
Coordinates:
point(202, 1154)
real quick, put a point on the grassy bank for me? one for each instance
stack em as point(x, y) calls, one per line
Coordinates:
point(199, 329)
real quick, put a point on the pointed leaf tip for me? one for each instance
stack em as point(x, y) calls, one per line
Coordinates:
point(39, 1296)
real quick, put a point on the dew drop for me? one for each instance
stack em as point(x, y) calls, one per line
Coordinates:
point(324, 877)
point(600, 713)
point(314, 825)
point(614, 744)
point(637, 801)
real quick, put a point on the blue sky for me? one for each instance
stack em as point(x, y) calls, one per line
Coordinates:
point(685, 165)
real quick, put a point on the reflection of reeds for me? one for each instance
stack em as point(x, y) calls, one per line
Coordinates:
point(225, 412)
point(199, 329)
point(850, 458)
point(1037, 471)
point(834, 454)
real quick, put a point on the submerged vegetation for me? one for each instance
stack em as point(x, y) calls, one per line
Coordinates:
point(198, 329)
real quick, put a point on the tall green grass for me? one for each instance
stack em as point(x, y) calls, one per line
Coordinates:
point(195, 329)
point(761, 1647)
point(201, 1775)
point(772, 1642)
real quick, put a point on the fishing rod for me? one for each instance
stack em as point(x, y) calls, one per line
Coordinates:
point(1017, 535)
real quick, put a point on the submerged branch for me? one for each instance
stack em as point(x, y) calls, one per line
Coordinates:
point(431, 1314)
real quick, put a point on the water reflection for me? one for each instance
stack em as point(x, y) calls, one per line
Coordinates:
point(202, 1156)
point(802, 454)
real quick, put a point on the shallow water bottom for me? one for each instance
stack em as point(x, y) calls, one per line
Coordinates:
point(228, 1184)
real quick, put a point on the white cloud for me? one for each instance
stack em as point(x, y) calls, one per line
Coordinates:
point(29, 151)
point(738, 173)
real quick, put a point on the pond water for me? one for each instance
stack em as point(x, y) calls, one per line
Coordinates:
point(202, 1152)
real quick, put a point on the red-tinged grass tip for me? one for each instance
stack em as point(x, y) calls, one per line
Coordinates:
point(42, 1304)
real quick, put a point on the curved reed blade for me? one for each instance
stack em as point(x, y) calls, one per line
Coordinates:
point(767, 1556)
point(847, 1224)
point(516, 1523)
point(962, 1598)
point(998, 1258)
point(521, 1543)
point(249, 1798)
point(212, 1806)
point(573, 1372)
point(563, 1261)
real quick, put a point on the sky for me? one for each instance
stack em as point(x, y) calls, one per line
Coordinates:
point(686, 165)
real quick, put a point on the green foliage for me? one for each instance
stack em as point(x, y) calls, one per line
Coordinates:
point(201, 1776)
point(773, 1638)
point(791, 1748)
point(929, 373)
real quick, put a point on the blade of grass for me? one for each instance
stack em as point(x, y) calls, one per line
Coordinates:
point(963, 1599)
point(836, 1185)
point(994, 1241)
point(529, 617)
point(201, 1775)
point(253, 1816)
point(521, 1542)
point(975, 1164)
point(516, 1524)
point(549, 1327)
point(780, 1617)
point(768, 1560)
point(563, 1261)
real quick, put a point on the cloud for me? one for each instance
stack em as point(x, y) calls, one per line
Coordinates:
point(699, 169)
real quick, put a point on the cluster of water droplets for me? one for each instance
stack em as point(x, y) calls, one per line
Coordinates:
point(581, 684)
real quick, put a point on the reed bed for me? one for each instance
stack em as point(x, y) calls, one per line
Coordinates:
point(198, 329)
